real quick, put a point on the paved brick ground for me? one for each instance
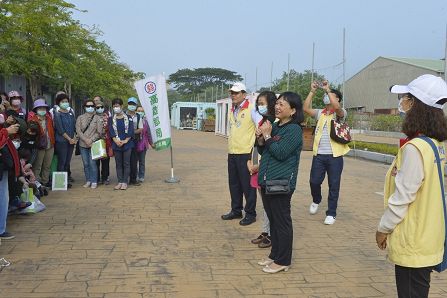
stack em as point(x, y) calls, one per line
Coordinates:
point(163, 240)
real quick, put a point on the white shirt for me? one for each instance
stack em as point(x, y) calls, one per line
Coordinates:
point(325, 142)
point(408, 181)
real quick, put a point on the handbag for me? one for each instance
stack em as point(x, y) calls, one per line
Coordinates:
point(78, 147)
point(276, 187)
point(340, 131)
point(443, 265)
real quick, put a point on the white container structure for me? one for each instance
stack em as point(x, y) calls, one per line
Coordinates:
point(189, 115)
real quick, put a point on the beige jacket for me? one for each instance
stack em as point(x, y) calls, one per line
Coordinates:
point(93, 132)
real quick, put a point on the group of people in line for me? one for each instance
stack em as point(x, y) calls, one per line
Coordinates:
point(265, 144)
point(35, 142)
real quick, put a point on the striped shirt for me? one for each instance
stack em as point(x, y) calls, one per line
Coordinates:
point(325, 142)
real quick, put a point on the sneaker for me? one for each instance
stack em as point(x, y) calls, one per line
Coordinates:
point(107, 181)
point(94, 185)
point(141, 180)
point(259, 239)
point(118, 186)
point(123, 186)
point(329, 220)
point(87, 184)
point(7, 236)
point(313, 208)
point(266, 242)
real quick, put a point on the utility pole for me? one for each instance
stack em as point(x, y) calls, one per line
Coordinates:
point(313, 60)
point(445, 56)
point(344, 67)
point(271, 76)
point(288, 71)
point(256, 85)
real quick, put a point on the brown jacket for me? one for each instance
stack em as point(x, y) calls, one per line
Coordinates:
point(93, 132)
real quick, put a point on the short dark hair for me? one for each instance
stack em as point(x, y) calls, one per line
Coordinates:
point(271, 101)
point(60, 97)
point(337, 94)
point(117, 101)
point(295, 102)
point(426, 120)
point(87, 101)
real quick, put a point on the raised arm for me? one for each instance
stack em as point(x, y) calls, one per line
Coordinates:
point(307, 107)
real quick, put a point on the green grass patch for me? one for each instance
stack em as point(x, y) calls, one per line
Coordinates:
point(375, 147)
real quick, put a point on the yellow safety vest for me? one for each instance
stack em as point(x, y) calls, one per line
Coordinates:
point(242, 130)
point(337, 148)
point(418, 240)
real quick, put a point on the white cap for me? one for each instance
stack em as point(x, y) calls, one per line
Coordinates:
point(238, 87)
point(427, 88)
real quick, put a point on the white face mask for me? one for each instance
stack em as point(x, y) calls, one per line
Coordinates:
point(100, 110)
point(263, 110)
point(326, 99)
point(117, 110)
point(16, 143)
point(89, 109)
point(131, 108)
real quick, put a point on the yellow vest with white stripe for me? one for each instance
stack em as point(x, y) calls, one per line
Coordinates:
point(242, 131)
point(337, 148)
point(418, 240)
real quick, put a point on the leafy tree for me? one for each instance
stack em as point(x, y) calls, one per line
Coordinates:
point(194, 81)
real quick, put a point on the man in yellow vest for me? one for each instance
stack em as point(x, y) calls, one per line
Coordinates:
point(328, 154)
point(240, 144)
point(412, 227)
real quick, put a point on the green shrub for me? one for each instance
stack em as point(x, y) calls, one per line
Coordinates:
point(375, 147)
point(386, 123)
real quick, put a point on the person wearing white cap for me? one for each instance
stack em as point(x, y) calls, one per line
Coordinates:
point(412, 227)
point(132, 105)
point(240, 144)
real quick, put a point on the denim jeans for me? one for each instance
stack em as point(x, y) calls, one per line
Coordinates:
point(122, 162)
point(141, 164)
point(4, 201)
point(90, 169)
point(64, 152)
point(333, 166)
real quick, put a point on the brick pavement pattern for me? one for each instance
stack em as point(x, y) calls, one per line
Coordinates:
point(167, 240)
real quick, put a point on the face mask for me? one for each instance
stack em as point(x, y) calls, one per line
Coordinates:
point(262, 110)
point(64, 105)
point(16, 143)
point(89, 109)
point(100, 110)
point(41, 112)
point(16, 102)
point(131, 108)
point(326, 99)
point(141, 114)
point(117, 110)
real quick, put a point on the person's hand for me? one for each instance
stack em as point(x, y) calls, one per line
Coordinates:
point(314, 86)
point(72, 141)
point(381, 240)
point(88, 142)
point(254, 169)
point(10, 120)
point(250, 166)
point(258, 132)
point(266, 128)
point(13, 129)
point(153, 146)
point(326, 86)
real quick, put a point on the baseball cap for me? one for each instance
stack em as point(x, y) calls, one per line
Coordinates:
point(132, 100)
point(238, 87)
point(427, 88)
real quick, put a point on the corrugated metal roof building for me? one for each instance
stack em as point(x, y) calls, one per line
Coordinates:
point(368, 90)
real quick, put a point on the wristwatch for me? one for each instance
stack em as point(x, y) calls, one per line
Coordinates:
point(267, 137)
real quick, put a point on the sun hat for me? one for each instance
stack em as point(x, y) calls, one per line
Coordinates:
point(427, 88)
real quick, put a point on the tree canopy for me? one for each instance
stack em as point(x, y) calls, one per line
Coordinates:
point(40, 40)
point(194, 81)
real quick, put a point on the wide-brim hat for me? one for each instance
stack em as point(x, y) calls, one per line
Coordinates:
point(40, 103)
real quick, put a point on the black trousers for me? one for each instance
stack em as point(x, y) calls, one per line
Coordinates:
point(413, 282)
point(103, 166)
point(277, 208)
point(239, 182)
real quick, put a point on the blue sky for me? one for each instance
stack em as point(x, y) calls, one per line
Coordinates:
point(166, 35)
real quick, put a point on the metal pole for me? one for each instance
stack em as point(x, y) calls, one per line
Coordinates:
point(288, 71)
point(256, 85)
point(172, 179)
point(344, 67)
point(271, 76)
point(313, 60)
point(212, 93)
point(445, 56)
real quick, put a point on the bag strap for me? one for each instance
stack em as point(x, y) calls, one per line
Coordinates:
point(441, 180)
point(88, 125)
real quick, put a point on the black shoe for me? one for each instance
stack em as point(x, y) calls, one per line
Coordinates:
point(266, 242)
point(135, 183)
point(69, 185)
point(231, 215)
point(247, 221)
point(7, 236)
point(70, 179)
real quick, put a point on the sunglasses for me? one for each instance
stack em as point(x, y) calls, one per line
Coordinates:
point(89, 106)
point(234, 93)
point(99, 107)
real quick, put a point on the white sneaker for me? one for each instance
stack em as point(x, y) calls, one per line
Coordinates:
point(329, 220)
point(313, 208)
point(87, 184)
point(94, 185)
